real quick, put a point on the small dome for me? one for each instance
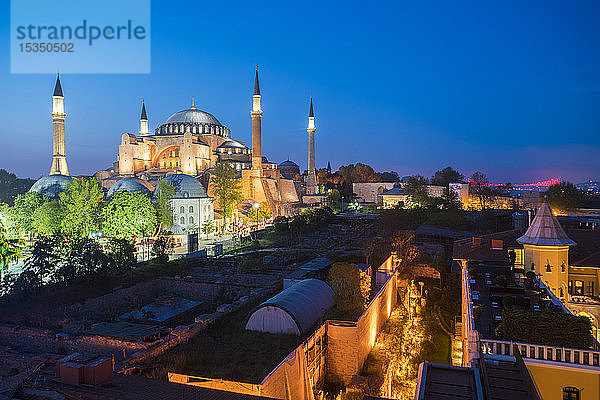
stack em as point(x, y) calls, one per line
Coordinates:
point(288, 163)
point(231, 144)
point(185, 186)
point(51, 185)
point(193, 116)
point(131, 185)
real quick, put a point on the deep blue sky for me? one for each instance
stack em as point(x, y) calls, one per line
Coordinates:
point(508, 88)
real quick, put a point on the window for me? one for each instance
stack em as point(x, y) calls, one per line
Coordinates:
point(589, 288)
point(182, 209)
point(191, 209)
point(182, 220)
point(579, 288)
point(571, 393)
point(532, 266)
point(548, 267)
point(570, 287)
point(191, 219)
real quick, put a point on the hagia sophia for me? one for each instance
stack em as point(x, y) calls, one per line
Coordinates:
point(184, 150)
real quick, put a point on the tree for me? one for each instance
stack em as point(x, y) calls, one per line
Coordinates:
point(261, 212)
point(358, 173)
point(163, 192)
point(227, 188)
point(450, 200)
point(21, 214)
point(416, 187)
point(162, 247)
point(403, 243)
point(11, 186)
point(47, 218)
point(446, 176)
point(564, 196)
point(333, 198)
point(481, 188)
point(128, 215)
point(122, 253)
point(44, 260)
point(208, 227)
point(83, 203)
point(350, 287)
point(391, 176)
point(10, 249)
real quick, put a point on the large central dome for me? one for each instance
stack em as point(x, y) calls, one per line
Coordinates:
point(193, 116)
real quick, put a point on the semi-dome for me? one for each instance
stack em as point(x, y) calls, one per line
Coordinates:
point(51, 185)
point(131, 185)
point(193, 116)
point(186, 186)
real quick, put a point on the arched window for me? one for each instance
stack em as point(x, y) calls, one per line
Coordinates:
point(182, 220)
point(191, 219)
point(191, 209)
point(182, 209)
point(571, 393)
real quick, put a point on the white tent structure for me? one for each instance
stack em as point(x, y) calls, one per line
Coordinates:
point(294, 310)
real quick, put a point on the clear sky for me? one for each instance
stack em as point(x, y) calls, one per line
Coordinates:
point(511, 88)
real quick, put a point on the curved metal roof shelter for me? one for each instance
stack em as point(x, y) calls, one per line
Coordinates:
point(294, 310)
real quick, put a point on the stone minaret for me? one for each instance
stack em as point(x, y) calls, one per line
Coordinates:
point(311, 179)
point(59, 158)
point(256, 115)
point(144, 121)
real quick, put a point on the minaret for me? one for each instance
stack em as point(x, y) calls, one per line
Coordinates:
point(311, 179)
point(59, 159)
point(144, 121)
point(256, 115)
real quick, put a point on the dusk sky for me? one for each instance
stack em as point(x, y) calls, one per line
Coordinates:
point(508, 88)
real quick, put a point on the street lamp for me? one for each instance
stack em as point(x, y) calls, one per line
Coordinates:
point(255, 206)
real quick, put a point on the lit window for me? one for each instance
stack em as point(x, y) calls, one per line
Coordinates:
point(579, 288)
point(571, 393)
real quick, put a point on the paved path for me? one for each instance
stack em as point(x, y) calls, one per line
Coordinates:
point(437, 318)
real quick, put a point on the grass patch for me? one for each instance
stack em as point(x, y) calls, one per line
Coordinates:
point(226, 350)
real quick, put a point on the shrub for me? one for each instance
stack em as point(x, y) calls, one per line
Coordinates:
point(547, 328)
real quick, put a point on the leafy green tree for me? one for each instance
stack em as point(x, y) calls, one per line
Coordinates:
point(47, 218)
point(163, 192)
point(226, 187)
point(10, 249)
point(450, 200)
point(416, 187)
point(45, 259)
point(260, 213)
point(162, 247)
point(564, 196)
point(21, 214)
point(350, 288)
point(446, 176)
point(208, 227)
point(333, 198)
point(122, 253)
point(128, 215)
point(11, 186)
point(83, 204)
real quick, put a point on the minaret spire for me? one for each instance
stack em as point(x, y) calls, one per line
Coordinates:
point(144, 120)
point(193, 103)
point(311, 178)
point(59, 158)
point(256, 116)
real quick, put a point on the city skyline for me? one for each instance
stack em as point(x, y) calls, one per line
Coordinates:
point(425, 97)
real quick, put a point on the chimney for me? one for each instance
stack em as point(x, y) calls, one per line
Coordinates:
point(497, 244)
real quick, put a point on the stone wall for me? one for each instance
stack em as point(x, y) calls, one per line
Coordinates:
point(349, 343)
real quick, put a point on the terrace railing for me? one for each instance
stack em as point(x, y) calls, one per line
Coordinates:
point(582, 357)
